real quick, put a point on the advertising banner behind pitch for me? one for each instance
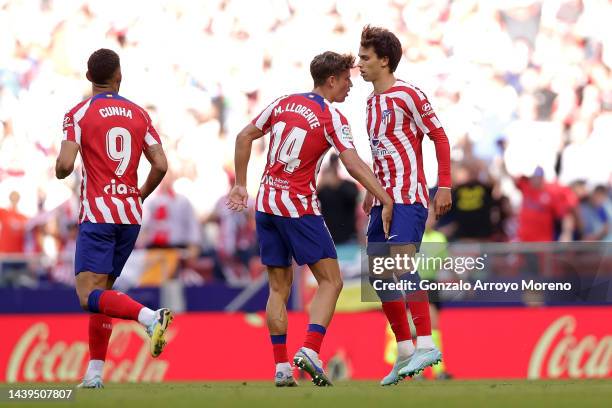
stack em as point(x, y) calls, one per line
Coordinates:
point(201, 346)
point(478, 343)
point(530, 343)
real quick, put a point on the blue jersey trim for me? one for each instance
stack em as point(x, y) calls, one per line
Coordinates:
point(108, 95)
point(315, 97)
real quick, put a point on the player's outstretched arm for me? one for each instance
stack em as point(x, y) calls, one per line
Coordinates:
point(159, 166)
point(362, 173)
point(65, 160)
point(238, 197)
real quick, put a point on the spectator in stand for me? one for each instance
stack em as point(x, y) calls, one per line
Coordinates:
point(472, 213)
point(63, 270)
point(595, 215)
point(566, 226)
point(169, 221)
point(236, 245)
point(541, 207)
point(607, 205)
point(12, 227)
point(504, 221)
point(338, 198)
point(12, 241)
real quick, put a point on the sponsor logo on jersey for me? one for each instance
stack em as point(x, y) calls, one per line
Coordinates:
point(115, 188)
point(67, 122)
point(345, 131)
point(426, 109)
point(275, 182)
point(378, 150)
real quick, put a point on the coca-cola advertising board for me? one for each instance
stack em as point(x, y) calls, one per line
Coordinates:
point(201, 346)
point(478, 343)
point(554, 342)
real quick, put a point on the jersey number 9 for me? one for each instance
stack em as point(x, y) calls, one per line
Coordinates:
point(119, 148)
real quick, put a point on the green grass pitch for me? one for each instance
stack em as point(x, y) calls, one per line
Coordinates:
point(426, 394)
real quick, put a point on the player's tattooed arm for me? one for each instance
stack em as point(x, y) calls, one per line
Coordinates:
point(65, 160)
point(159, 166)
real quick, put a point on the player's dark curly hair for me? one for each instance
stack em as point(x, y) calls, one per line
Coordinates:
point(329, 64)
point(384, 42)
point(102, 64)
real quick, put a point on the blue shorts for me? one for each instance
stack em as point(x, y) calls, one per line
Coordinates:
point(307, 239)
point(104, 248)
point(407, 226)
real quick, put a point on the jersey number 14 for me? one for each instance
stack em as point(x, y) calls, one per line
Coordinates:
point(290, 149)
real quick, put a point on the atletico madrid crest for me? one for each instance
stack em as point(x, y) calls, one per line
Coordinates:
point(386, 116)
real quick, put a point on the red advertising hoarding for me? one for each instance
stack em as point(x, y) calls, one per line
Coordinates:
point(530, 343)
point(202, 346)
point(478, 343)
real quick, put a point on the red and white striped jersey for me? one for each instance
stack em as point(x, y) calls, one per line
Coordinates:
point(302, 129)
point(397, 120)
point(112, 134)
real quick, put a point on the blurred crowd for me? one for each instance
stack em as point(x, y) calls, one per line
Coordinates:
point(523, 89)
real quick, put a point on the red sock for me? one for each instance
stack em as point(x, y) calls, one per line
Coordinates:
point(420, 316)
point(314, 337)
point(280, 353)
point(279, 347)
point(118, 304)
point(398, 318)
point(100, 329)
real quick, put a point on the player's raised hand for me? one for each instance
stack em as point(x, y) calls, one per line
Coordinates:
point(237, 198)
point(442, 202)
point(387, 216)
point(368, 200)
